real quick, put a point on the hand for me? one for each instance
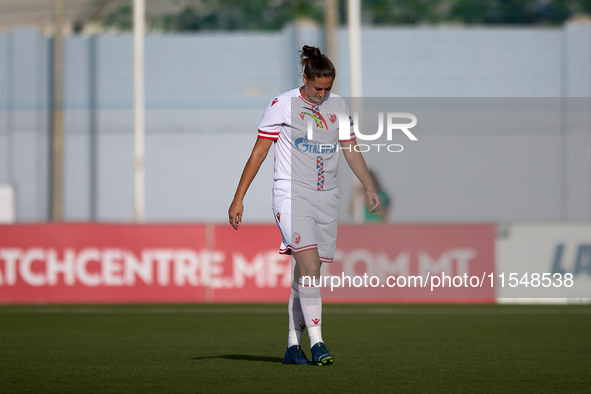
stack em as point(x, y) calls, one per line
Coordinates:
point(235, 213)
point(374, 200)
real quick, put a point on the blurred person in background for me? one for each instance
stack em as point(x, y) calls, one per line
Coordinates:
point(305, 194)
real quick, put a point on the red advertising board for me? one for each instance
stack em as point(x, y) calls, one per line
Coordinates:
point(114, 263)
point(96, 263)
point(413, 263)
point(251, 268)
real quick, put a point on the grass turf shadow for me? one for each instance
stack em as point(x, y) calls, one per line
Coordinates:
point(244, 357)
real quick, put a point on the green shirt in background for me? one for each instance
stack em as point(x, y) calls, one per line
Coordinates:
point(375, 217)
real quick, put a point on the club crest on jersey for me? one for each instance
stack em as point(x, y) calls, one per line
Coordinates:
point(333, 118)
point(274, 101)
point(296, 237)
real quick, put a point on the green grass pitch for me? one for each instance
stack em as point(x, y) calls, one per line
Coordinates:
point(239, 348)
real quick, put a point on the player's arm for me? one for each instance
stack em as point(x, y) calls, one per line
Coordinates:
point(357, 163)
point(258, 155)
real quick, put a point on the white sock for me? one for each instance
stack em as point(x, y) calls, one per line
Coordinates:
point(296, 317)
point(312, 309)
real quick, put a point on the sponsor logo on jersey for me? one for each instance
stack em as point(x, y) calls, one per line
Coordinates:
point(316, 321)
point(279, 216)
point(304, 145)
point(274, 101)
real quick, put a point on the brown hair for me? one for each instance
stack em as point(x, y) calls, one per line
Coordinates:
point(315, 64)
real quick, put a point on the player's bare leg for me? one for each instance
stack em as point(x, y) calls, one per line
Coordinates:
point(307, 269)
point(307, 264)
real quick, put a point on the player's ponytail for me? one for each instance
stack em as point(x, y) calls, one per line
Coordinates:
point(315, 64)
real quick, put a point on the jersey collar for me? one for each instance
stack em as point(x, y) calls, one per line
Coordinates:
point(310, 102)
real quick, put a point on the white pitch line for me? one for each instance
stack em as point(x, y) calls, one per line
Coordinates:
point(140, 310)
point(282, 310)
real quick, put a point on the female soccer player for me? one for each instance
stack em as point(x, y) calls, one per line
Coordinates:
point(305, 131)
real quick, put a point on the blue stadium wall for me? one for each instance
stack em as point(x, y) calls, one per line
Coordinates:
point(205, 94)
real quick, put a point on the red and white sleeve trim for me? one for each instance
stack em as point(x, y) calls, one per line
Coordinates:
point(268, 135)
point(326, 259)
point(351, 137)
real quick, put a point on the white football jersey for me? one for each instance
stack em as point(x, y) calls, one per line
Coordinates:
point(308, 162)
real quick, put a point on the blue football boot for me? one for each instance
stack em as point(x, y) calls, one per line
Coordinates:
point(294, 355)
point(320, 355)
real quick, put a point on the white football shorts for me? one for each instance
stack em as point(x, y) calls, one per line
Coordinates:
point(306, 218)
